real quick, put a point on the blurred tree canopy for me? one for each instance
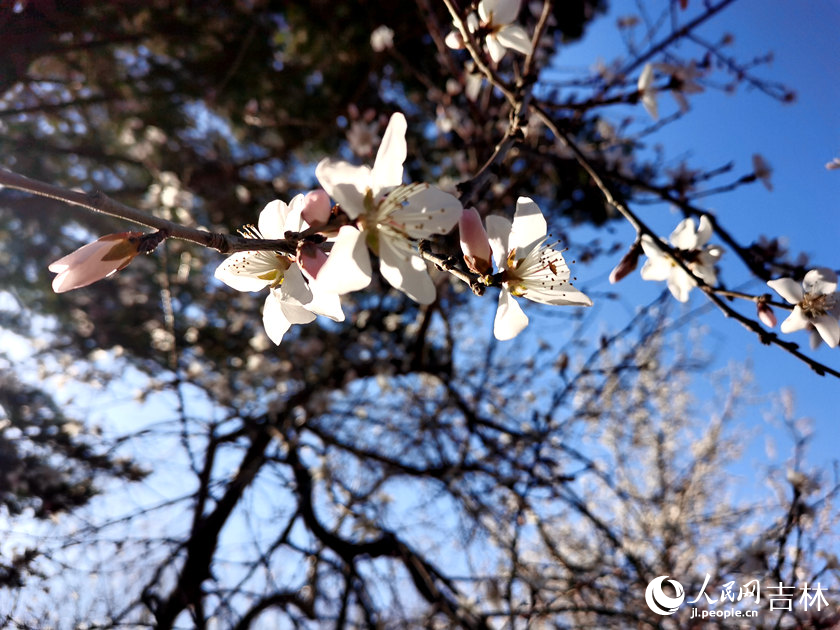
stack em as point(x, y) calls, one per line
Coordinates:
point(398, 469)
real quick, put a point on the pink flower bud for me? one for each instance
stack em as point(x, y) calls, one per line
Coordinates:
point(94, 261)
point(310, 258)
point(316, 207)
point(627, 263)
point(766, 315)
point(474, 242)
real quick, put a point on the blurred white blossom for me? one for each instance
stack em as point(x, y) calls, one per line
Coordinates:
point(690, 245)
point(816, 304)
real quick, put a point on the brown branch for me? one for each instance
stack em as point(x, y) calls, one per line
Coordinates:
point(100, 202)
point(204, 538)
point(642, 228)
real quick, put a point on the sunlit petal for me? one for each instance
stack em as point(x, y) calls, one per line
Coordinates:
point(529, 226)
point(273, 219)
point(388, 167)
point(515, 37)
point(348, 266)
point(405, 271)
point(501, 11)
point(510, 318)
point(829, 330)
point(820, 281)
point(498, 230)
point(684, 236)
point(788, 288)
point(795, 321)
point(346, 183)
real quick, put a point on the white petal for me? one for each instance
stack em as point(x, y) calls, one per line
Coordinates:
point(498, 231)
point(472, 22)
point(704, 232)
point(454, 40)
point(680, 284)
point(829, 330)
point(705, 272)
point(327, 304)
point(294, 288)
point(273, 219)
point(501, 11)
point(650, 104)
point(563, 294)
point(515, 37)
point(795, 321)
point(510, 319)
point(294, 217)
point(646, 78)
point(296, 314)
point(348, 265)
point(274, 320)
point(650, 247)
point(820, 281)
point(345, 183)
point(788, 288)
point(427, 211)
point(388, 167)
point(684, 236)
point(529, 226)
point(240, 271)
point(712, 254)
point(656, 269)
point(495, 48)
point(405, 270)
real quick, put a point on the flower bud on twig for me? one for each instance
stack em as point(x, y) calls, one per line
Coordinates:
point(474, 242)
point(627, 264)
point(94, 261)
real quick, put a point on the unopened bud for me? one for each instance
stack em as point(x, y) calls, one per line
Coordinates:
point(627, 264)
point(766, 315)
point(316, 207)
point(95, 261)
point(474, 242)
point(454, 40)
point(310, 258)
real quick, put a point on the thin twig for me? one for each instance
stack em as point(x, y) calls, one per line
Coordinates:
point(100, 202)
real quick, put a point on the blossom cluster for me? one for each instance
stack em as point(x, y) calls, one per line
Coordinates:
point(815, 301)
point(495, 21)
point(374, 212)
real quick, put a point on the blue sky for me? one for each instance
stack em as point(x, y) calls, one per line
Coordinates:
point(796, 140)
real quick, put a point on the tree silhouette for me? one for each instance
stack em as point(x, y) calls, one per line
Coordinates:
point(167, 465)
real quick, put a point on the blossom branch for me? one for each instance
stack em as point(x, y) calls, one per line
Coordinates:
point(98, 201)
point(642, 229)
point(675, 36)
point(449, 264)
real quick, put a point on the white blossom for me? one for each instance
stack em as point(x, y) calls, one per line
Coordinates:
point(382, 38)
point(388, 217)
point(293, 298)
point(690, 246)
point(816, 304)
point(684, 81)
point(529, 268)
point(496, 21)
point(647, 93)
